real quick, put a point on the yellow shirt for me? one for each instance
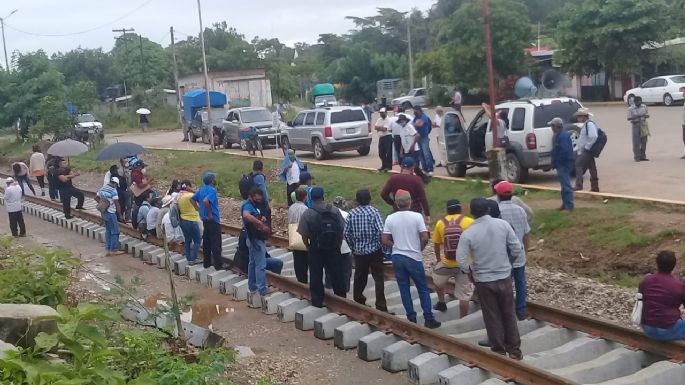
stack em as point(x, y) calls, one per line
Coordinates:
point(186, 209)
point(439, 233)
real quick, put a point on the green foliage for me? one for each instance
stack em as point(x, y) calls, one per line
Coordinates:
point(53, 115)
point(141, 62)
point(37, 276)
point(621, 236)
point(548, 221)
point(83, 95)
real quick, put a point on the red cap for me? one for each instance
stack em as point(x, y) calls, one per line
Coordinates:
point(504, 188)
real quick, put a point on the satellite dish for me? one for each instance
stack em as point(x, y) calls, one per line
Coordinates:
point(525, 88)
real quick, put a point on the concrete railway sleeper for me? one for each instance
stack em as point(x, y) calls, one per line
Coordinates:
point(558, 348)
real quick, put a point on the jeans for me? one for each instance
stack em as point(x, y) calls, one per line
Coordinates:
point(193, 238)
point(425, 154)
point(331, 261)
point(274, 265)
point(111, 231)
point(211, 244)
point(256, 268)
point(584, 162)
point(406, 268)
point(639, 142)
point(301, 265)
point(676, 332)
point(564, 173)
point(21, 179)
point(66, 193)
point(521, 285)
point(385, 148)
point(17, 225)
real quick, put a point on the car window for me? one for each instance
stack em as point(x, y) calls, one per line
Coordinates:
point(252, 116)
point(660, 83)
point(649, 83)
point(299, 119)
point(227, 116)
point(344, 116)
point(518, 120)
point(320, 118)
point(546, 112)
point(309, 120)
point(453, 124)
point(420, 92)
point(678, 79)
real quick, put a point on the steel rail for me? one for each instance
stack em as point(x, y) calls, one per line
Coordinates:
point(674, 350)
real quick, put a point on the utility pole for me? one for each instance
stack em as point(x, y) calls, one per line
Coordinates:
point(4, 42)
point(178, 90)
point(496, 156)
point(411, 61)
point(142, 59)
point(204, 67)
point(123, 32)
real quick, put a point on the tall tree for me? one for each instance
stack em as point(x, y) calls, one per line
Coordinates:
point(82, 64)
point(141, 62)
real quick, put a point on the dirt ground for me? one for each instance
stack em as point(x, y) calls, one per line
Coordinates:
point(282, 353)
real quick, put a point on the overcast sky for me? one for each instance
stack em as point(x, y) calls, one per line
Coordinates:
point(290, 21)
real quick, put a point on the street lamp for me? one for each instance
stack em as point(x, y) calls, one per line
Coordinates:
point(4, 44)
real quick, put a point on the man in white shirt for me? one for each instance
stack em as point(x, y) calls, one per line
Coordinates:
point(385, 141)
point(406, 233)
point(13, 195)
point(437, 124)
point(585, 160)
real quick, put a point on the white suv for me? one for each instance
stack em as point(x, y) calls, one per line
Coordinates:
point(530, 137)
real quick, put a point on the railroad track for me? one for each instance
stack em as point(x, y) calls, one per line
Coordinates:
point(560, 346)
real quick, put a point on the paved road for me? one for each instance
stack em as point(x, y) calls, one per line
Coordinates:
point(618, 173)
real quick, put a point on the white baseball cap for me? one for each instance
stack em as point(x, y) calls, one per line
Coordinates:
point(9, 180)
point(114, 180)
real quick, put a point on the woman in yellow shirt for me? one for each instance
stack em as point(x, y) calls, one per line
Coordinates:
point(190, 216)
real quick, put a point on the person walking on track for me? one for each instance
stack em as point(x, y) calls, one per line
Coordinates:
point(385, 141)
point(585, 160)
point(65, 177)
point(207, 203)
point(363, 232)
point(491, 242)
point(637, 116)
point(21, 176)
point(406, 233)
point(257, 230)
point(562, 161)
point(13, 197)
point(37, 168)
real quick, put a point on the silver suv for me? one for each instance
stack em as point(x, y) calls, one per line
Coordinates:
point(241, 119)
point(329, 129)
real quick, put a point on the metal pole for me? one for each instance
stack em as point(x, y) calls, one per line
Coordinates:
point(4, 45)
point(491, 76)
point(204, 67)
point(142, 59)
point(411, 62)
point(178, 90)
point(123, 36)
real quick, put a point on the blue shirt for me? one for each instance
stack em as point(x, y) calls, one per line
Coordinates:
point(110, 193)
point(260, 182)
point(309, 201)
point(426, 129)
point(253, 210)
point(562, 152)
point(208, 192)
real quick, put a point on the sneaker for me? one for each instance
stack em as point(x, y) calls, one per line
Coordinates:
point(440, 306)
point(485, 343)
point(517, 357)
point(432, 324)
point(118, 252)
point(411, 320)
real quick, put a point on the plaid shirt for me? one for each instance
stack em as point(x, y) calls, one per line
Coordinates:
point(363, 230)
point(516, 217)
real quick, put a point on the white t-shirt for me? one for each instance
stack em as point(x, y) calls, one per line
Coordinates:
point(344, 248)
point(405, 228)
point(151, 218)
point(437, 120)
point(384, 123)
point(407, 134)
point(293, 174)
point(13, 198)
point(172, 233)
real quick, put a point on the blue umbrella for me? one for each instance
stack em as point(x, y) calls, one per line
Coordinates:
point(119, 150)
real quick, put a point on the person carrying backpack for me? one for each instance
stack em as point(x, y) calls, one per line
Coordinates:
point(585, 160)
point(257, 179)
point(446, 236)
point(321, 228)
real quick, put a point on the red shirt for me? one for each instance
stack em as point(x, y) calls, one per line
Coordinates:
point(136, 176)
point(662, 295)
point(411, 183)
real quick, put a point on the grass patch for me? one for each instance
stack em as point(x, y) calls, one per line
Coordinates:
point(548, 221)
point(622, 235)
point(620, 279)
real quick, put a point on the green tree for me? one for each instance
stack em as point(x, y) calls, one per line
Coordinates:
point(87, 65)
point(608, 35)
point(143, 67)
point(82, 94)
point(53, 116)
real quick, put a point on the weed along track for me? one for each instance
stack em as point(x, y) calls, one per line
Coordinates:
point(559, 346)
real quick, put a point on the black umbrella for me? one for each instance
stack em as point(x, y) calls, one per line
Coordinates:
point(119, 150)
point(67, 148)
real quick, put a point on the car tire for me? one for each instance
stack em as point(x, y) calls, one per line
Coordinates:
point(668, 100)
point(631, 99)
point(364, 151)
point(516, 173)
point(407, 106)
point(243, 144)
point(226, 143)
point(319, 152)
point(457, 170)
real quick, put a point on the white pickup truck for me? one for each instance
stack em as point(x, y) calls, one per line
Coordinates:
point(415, 97)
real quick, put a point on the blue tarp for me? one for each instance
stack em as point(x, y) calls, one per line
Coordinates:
point(196, 99)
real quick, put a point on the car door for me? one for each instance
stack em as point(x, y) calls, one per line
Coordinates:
point(307, 130)
point(647, 91)
point(232, 127)
point(660, 89)
point(455, 137)
point(295, 132)
point(420, 97)
point(196, 124)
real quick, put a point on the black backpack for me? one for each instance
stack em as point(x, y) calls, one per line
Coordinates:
point(327, 235)
point(246, 183)
point(598, 146)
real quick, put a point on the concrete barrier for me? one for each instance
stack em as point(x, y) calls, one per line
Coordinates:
point(581, 349)
point(617, 363)
point(462, 375)
point(424, 368)
point(370, 347)
point(659, 373)
point(271, 301)
point(286, 310)
point(347, 336)
point(324, 326)
point(304, 318)
point(396, 357)
point(225, 283)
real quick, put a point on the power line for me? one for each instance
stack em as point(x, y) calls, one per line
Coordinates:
point(129, 13)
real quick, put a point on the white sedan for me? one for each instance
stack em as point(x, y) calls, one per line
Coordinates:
point(663, 89)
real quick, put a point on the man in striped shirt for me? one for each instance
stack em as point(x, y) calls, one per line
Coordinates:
point(363, 234)
point(108, 192)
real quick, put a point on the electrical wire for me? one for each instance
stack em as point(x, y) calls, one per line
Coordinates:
point(129, 13)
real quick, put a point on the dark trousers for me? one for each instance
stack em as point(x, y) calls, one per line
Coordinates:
point(124, 204)
point(497, 306)
point(584, 162)
point(363, 264)
point(639, 142)
point(211, 244)
point(330, 260)
point(301, 265)
point(683, 133)
point(66, 193)
point(289, 189)
point(385, 144)
point(41, 182)
point(17, 225)
point(397, 144)
point(52, 187)
point(21, 179)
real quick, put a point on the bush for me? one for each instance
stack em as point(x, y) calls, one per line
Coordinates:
point(438, 96)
